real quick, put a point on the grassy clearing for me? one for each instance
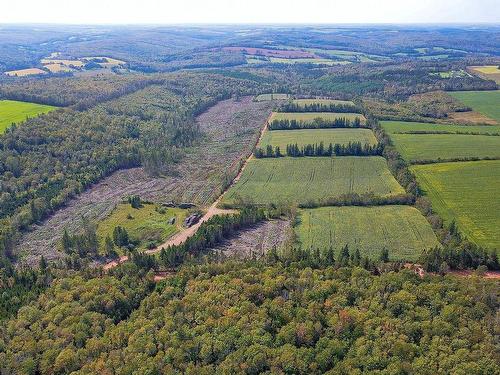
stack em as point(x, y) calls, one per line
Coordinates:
point(310, 116)
point(485, 102)
point(299, 180)
point(415, 147)
point(401, 229)
point(146, 225)
point(25, 72)
point(322, 101)
point(302, 137)
point(404, 127)
point(12, 111)
point(466, 192)
point(267, 97)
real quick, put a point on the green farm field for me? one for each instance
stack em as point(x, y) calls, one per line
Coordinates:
point(485, 102)
point(310, 116)
point(302, 137)
point(300, 180)
point(466, 192)
point(415, 147)
point(322, 101)
point(146, 224)
point(12, 111)
point(400, 229)
point(392, 127)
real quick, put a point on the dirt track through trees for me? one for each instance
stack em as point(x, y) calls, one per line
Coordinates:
point(231, 128)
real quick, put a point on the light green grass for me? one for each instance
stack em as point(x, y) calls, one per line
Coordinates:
point(267, 97)
point(12, 111)
point(400, 229)
point(303, 102)
point(302, 137)
point(485, 102)
point(414, 147)
point(403, 127)
point(310, 116)
point(466, 192)
point(299, 180)
point(146, 225)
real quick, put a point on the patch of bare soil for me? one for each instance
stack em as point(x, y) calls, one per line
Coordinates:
point(255, 241)
point(231, 130)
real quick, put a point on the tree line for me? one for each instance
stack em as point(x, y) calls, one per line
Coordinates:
point(319, 149)
point(319, 107)
point(317, 123)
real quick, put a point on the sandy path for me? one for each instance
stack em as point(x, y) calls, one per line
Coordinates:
point(212, 211)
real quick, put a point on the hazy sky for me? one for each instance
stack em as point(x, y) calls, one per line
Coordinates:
point(248, 11)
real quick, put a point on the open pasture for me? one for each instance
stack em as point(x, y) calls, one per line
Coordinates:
point(303, 137)
point(310, 116)
point(392, 127)
point(305, 179)
point(25, 72)
point(12, 111)
point(149, 224)
point(58, 68)
point(466, 192)
point(485, 102)
point(400, 229)
point(418, 147)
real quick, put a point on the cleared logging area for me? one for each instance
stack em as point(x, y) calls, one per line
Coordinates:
point(419, 147)
point(256, 240)
point(392, 127)
point(310, 116)
point(400, 229)
point(302, 137)
point(466, 192)
point(300, 180)
point(485, 102)
point(231, 128)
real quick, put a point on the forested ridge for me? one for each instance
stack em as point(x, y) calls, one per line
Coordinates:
point(256, 318)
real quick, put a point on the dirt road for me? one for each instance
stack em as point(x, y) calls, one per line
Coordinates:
point(184, 234)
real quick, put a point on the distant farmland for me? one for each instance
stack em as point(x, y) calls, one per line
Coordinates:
point(310, 116)
point(487, 72)
point(485, 102)
point(401, 229)
point(267, 52)
point(418, 147)
point(299, 180)
point(12, 111)
point(468, 193)
point(25, 72)
point(302, 137)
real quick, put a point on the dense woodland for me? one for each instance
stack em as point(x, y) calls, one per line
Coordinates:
point(254, 318)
